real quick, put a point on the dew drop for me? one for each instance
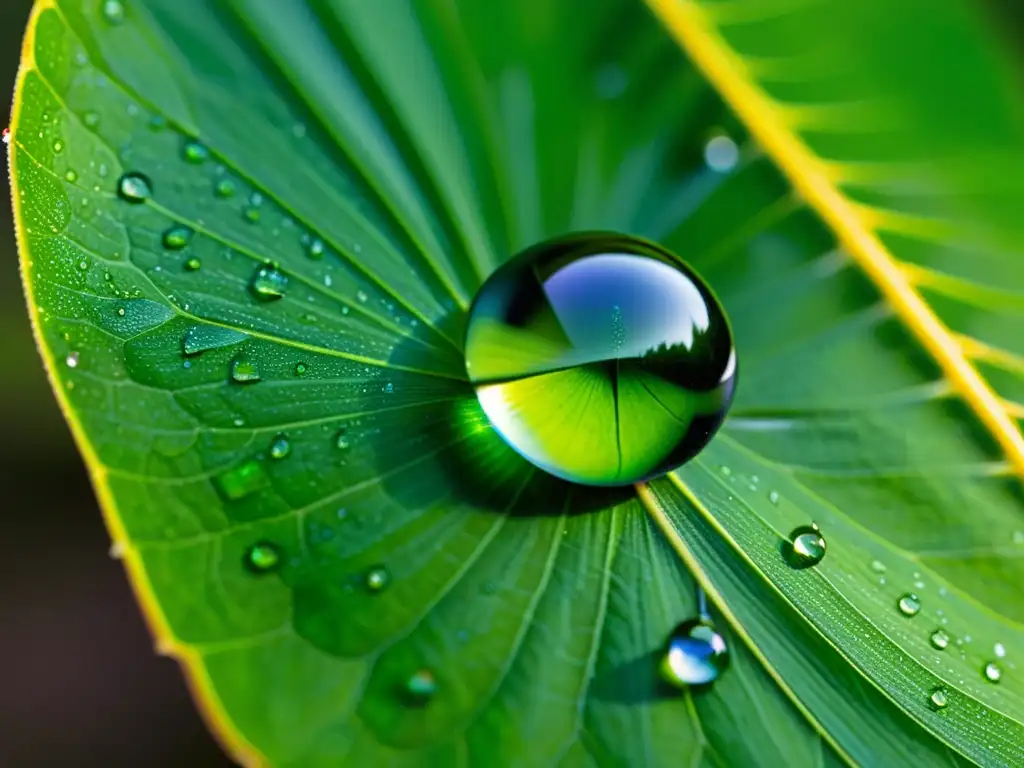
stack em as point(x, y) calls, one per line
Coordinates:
point(224, 188)
point(195, 153)
point(262, 558)
point(315, 249)
point(992, 672)
point(878, 566)
point(268, 283)
point(342, 441)
point(177, 238)
point(420, 687)
point(805, 547)
point(58, 146)
point(280, 448)
point(244, 370)
point(193, 264)
point(721, 154)
point(939, 640)
point(938, 698)
point(113, 11)
point(251, 214)
point(377, 578)
point(999, 650)
point(361, 296)
point(91, 119)
point(71, 361)
point(134, 188)
point(200, 338)
point(696, 654)
point(773, 497)
point(70, 176)
point(240, 481)
point(909, 604)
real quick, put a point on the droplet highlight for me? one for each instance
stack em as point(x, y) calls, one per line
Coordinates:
point(939, 640)
point(377, 578)
point(909, 604)
point(938, 698)
point(280, 447)
point(262, 558)
point(134, 188)
point(992, 672)
point(421, 687)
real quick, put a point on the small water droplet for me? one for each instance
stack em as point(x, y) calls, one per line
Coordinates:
point(177, 238)
point(134, 188)
point(315, 249)
point(805, 548)
point(721, 154)
point(280, 448)
point(909, 604)
point(113, 11)
point(377, 578)
point(938, 699)
point(157, 123)
point(342, 440)
point(91, 119)
point(244, 370)
point(939, 640)
point(696, 654)
point(725, 470)
point(58, 146)
point(238, 482)
point(773, 497)
point(71, 360)
point(195, 153)
point(992, 672)
point(262, 557)
point(268, 283)
point(388, 388)
point(224, 188)
point(999, 650)
point(420, 687)
point(193, 264)
point(300, 369)
point(878, 566)
point(361, 296)
point(70, 176)
point(251, 214)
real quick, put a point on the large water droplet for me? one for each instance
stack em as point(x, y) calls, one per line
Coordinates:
point(245, 370)
point(805, 548)
point(134, 188)
point(939, 640)
point(420, 687)
point(377, 578)
point(615, 331)
point(200, 338)
point(240, 481)
point(177, 237)
point(268, 283)
point(280, 448)
point(262, 557)
point(909, 604)
point(696, 654)
point(938, 698)
point(992, 672)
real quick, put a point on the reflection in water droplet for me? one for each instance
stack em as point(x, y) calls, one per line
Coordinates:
point(420, 687)
point(134, 188)
point(280, 448)
point(71, 361)
point(938, 698)
point(193, 264)
point(177, 237)
point(939, 640)
point(608, 314)
point(113, 11)
point(240, 481)
point(225, 188)
point(244, 370)
point(268, 283)
point(992, 672)
point(805, 548)
point(377, 578)
point(909, 604)
point(195, 153)
point(262, 557)
point(696, 654)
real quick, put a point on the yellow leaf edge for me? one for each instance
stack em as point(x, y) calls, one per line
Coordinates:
point(694, 31)
point(210, 707)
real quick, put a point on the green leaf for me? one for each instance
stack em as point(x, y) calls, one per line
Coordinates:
point(250, 232)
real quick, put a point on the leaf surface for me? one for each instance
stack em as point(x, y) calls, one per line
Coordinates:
point(268, 349)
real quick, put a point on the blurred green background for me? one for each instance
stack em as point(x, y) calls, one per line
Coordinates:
point(80, 683)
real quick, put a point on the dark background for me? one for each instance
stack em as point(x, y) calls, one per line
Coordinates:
point(80, 683)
